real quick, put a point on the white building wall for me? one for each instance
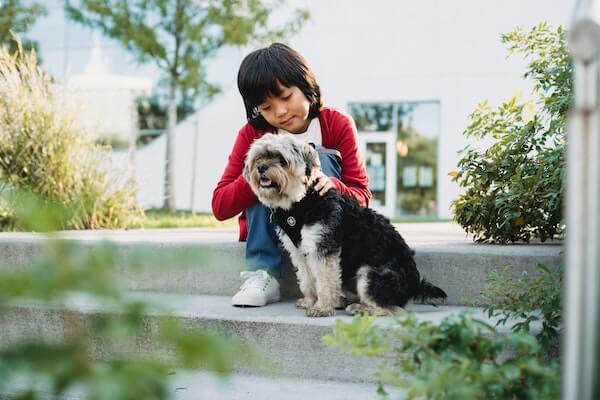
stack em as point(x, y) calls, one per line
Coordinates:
point(374, 51)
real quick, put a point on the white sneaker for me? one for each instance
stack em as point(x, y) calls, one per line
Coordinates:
point(258, 290)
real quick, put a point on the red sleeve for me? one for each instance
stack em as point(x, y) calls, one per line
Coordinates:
point(341, 134)
point(233, 194)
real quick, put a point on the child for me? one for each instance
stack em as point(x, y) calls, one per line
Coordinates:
point(281, 96)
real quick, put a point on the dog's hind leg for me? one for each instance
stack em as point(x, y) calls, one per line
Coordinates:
point(368, 303)
point(328, 278)
point(347, 298)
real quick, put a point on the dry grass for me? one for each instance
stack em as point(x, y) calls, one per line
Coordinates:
point(44, 151)
point(157, 218)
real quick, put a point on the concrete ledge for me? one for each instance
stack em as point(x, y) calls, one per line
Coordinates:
point(280, 331)
point(444, 254)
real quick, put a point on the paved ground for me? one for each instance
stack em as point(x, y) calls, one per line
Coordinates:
point(444, 253)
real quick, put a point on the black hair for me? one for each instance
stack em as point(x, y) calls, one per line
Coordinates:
point(264, 70)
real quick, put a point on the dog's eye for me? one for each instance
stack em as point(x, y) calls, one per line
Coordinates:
point(282, 162)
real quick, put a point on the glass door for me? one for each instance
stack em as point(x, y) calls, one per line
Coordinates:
point(399, 142)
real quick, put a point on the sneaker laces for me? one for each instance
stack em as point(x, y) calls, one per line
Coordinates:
point(256, 278)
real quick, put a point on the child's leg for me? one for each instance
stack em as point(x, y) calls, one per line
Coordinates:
point(262, 251)
point(331, 161)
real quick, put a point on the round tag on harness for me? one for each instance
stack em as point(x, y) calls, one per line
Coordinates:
point(291, 221)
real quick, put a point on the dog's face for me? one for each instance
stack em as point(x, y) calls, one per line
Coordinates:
point(279, 168)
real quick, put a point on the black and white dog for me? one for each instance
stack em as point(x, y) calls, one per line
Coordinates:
point(343, 253)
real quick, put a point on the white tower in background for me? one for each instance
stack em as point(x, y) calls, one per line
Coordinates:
point(106, 100)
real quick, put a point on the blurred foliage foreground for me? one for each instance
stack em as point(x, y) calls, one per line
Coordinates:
point(141, 345)
point(459, 358)
point(464, 357)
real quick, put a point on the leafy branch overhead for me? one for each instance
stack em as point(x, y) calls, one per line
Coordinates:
point(180, 36)
point(17, 18)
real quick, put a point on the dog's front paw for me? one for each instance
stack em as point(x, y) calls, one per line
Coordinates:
point(305, 302)
point(319, 311)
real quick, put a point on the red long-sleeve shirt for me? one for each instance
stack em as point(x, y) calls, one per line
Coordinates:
point(233, 194)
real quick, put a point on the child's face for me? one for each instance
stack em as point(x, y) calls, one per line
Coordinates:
point(288, 111)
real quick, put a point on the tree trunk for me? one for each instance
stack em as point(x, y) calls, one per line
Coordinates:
point(169, 200)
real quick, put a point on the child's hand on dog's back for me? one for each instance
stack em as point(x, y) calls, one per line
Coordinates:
point(324, 184)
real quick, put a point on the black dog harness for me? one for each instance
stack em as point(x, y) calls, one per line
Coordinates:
point(292, 220)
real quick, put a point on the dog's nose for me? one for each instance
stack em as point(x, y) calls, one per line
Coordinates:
point(262, 169)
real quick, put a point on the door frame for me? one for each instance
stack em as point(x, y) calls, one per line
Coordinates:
point(389, 139)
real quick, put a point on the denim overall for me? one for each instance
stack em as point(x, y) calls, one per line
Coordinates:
point(262, 250)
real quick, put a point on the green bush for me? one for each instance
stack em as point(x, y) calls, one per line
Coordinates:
point(456, 359)
point(114, 142)
point(514, 188)
point(43, 151)
point(411, 202)
point(527, 298)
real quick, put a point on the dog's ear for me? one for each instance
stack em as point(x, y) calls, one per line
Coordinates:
point(246, 170)
point(310, 157)
point(253, 153)
point(247, 166)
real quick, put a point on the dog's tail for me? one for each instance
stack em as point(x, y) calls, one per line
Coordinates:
point(429, 291)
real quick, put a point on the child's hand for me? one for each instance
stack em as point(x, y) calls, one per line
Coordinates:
point(323, 184)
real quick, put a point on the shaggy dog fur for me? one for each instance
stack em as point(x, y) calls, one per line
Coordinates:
point(343, 253)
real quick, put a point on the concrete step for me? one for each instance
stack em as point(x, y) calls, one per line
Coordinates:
point(289, 339)
point(445, 255)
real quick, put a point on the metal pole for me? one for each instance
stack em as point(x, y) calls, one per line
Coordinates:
point(580, 348)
